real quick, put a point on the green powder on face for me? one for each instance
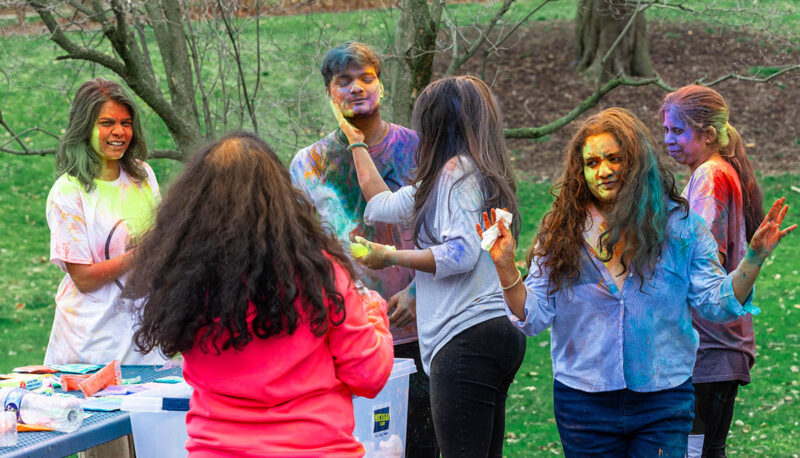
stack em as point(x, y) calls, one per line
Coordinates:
point(95, 140)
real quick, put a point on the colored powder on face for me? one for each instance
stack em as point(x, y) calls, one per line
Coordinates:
point(95, 140)
point(346, 112)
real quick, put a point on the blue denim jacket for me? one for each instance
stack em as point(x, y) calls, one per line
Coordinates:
point(642, 339)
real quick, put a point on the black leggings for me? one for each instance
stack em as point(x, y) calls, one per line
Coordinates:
point(470, 377)
point(713, 414)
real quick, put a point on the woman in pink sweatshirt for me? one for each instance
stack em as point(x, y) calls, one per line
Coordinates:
point(242, 280)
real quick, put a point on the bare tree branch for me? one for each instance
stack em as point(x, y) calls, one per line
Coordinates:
point(80, 7)
point(503, 38)
point(27, 152)
point(13, 135)
point(154, 154)
point(258, 51)
point(74, 51)
point(457, 60)
point(734, 75)
point(238, 58)
point(589, 102)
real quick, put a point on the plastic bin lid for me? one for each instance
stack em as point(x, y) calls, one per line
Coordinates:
point(401, 367)
point(168, 398)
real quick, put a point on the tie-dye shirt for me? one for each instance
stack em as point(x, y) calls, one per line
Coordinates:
point(639, 337)
point(87, 228)
point(727, 351)
point(326, 173)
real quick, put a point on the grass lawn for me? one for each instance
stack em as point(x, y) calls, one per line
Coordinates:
point(293, 114)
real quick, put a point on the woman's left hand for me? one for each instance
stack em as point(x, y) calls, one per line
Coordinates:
point(378, 256)
point(769, 233)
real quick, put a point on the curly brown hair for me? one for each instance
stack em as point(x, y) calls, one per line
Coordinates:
point(233, 231)
point(639, 212)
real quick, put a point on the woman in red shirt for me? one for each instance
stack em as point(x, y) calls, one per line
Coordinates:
point(242, 280)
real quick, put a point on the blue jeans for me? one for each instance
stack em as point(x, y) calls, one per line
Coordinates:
point(624, 423)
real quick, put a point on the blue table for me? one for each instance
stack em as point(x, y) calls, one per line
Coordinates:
point(99, 428)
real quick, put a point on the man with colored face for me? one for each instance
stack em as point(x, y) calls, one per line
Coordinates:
point(326, 173)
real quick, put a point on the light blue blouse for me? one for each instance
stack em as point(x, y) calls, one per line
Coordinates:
point(606, 339)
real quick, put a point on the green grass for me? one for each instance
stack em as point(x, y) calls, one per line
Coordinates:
point(765, 407)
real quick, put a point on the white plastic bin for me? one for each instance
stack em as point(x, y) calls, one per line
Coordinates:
point(158, 420)
point(158, 417)
point(381, 422)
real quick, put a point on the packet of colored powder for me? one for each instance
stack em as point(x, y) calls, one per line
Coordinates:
point(39, 369)
point(105, 377)
point(70, 382)
point(76, 368)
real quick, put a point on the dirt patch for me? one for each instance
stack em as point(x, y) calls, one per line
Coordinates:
point(536, 83)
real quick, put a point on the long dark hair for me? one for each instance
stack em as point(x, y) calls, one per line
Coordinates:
point(459, 117)
point(233, 230)
point(703, 108)
point(75, 155)
point(639, 212)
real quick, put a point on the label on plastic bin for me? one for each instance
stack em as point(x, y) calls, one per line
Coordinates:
point(381, 418)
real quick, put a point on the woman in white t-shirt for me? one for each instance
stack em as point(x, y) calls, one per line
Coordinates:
point(103, 200)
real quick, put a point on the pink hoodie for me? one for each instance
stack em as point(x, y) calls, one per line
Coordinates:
point(290, 395)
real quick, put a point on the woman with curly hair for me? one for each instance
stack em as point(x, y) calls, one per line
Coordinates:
point(469, 348)
point(724, 192)
point(615, 268)
point(242, 280)
point(104, 199)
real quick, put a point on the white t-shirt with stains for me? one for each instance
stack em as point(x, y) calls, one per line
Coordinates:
point(87, 228)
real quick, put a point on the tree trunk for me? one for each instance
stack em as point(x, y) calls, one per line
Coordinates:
point(599, 23)
point(413, 48)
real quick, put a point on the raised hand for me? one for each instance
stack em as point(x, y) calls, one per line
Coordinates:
point(353, 134)
point(502, 252)
point(378, 256)
point(769, 233)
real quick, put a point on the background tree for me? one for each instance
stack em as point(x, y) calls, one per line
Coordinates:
point(612, 39)
point(201, 65)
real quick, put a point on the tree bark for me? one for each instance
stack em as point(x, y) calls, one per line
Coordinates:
point(413, 48)
point(599, 26)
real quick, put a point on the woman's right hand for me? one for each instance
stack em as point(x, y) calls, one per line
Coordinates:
point(353, 134)
point(502, 252)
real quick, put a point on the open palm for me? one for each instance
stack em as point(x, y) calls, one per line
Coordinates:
point(769, 233)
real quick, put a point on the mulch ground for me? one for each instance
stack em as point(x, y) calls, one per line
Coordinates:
point(537, 83)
